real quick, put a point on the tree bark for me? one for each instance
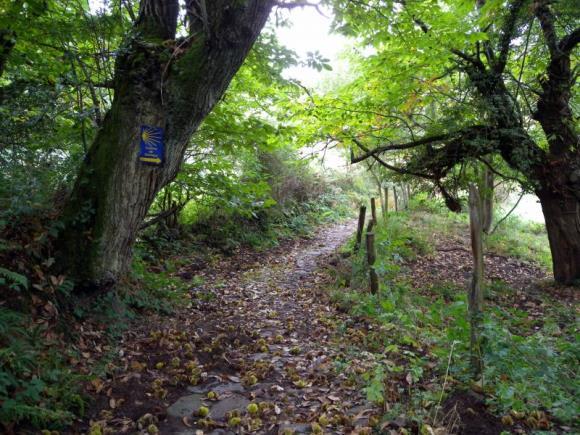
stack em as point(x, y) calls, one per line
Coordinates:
point(562, 216)
point(7, 42)
point(162, 82)
point(487, 192)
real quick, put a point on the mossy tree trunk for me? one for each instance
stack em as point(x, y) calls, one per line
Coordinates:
point(7, 42)
point(159, 81)
point(487, 193)
point(562, 215)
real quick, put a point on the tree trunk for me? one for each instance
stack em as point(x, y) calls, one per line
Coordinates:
point(160, 82)
point(487, 192)
point(7, 42)
point(395, 198)
point(562, 216)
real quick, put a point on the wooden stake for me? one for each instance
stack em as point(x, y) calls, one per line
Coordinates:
point(371, 257)
point(360, 228)
point(373, 209)
point(370, 226)
point(475, 295)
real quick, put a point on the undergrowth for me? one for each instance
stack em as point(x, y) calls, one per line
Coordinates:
point(46, 365)
point(36, 384)
point(525, 240)
point(42, 374)
point(227, 230)
point(421, 337)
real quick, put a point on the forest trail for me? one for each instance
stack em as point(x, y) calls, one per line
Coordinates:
point(257, 332)
point(261, 349)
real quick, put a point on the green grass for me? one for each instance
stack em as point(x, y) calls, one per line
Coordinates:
point(513, 237)
point(530, 364)
point(520, 239)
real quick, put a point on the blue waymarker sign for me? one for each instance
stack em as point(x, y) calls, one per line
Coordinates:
point(152, 146)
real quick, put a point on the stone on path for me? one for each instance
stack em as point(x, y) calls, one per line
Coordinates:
point(185, 406)
point(230, 387)
point(219, 410)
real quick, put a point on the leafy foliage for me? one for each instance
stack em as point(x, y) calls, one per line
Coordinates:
point(35, 385)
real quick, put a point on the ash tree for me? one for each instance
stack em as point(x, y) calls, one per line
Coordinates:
point(451, 83)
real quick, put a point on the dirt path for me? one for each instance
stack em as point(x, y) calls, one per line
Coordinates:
point(256, 352)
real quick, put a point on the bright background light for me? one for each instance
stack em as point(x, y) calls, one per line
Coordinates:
point(309, 32)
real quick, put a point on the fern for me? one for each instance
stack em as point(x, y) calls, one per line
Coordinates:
point(36, 387)
point(16, 281)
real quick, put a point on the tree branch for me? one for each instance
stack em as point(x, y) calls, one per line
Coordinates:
point(474, 61)
point(546, 19)
point(385, 164)
point(398, 147)
point(300, 4)
point(570, 41)
point(158, 18)
point(465, 133)
point(509, 30)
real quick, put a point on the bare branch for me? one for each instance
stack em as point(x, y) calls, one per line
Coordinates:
point(300, 4)
point(398, 147)
point(508, 214)
point(468, 132)
point(387, 165)
point(496, 172)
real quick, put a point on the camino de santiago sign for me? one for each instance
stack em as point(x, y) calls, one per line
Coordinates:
point(152, 148)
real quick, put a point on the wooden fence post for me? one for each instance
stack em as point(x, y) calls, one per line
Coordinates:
point(382, 199)
point(371, 257)
point(386, 209)
point(475, 294)
point(360, 228)
point(370, 226)
point(373, 209)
